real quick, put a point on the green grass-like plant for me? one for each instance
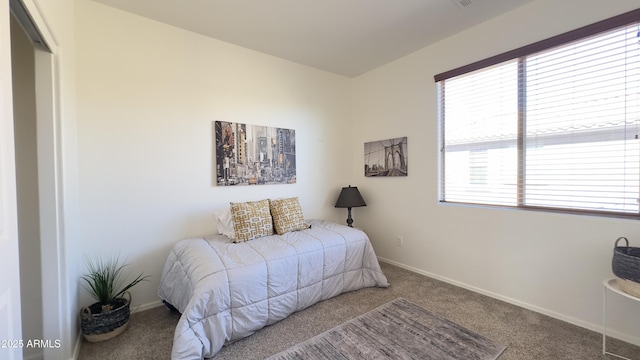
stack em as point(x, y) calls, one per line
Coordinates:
point(105, 280)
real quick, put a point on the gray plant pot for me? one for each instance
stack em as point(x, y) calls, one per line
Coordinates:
point(99, 324)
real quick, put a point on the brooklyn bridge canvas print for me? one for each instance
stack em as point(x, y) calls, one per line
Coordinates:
point(386, 157)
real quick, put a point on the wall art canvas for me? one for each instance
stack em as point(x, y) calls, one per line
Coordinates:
point(253, 154)
point(386, 157)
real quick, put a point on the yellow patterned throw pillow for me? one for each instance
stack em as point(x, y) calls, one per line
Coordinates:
point(287, 215)
point(251, 220)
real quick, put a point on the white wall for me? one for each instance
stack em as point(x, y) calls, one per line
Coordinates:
point(147, 97)
point(548, 262)
point(138, 99)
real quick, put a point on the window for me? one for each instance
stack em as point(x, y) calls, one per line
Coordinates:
point(551, 126)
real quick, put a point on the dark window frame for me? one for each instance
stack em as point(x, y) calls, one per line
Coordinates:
point(577, 34)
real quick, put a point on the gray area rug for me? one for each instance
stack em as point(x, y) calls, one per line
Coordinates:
point(396, 330)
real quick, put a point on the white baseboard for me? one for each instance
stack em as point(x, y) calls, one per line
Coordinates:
point(147, 306)
point(587, 325)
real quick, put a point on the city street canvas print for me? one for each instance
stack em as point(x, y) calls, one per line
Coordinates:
point(386, 157)
point(253, 154)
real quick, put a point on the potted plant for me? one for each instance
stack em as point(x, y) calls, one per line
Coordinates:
point(109, 315)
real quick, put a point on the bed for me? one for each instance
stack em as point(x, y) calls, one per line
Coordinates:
point(226, 291)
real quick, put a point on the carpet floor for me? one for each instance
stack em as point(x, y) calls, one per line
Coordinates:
point(528, 335)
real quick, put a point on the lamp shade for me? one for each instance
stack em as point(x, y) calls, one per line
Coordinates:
point(350, 197)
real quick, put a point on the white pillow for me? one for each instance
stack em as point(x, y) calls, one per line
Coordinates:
point(225, 223)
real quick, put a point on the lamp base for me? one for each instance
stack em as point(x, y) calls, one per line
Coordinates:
point(349, 219)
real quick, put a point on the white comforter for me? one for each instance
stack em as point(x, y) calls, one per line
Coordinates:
point(227, 291)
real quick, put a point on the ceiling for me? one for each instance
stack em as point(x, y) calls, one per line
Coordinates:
point(346, 37)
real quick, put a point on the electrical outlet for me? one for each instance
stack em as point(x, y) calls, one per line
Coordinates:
point(399, 240)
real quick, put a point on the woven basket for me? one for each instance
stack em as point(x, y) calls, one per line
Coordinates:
point(98, 325)
point(626, 267)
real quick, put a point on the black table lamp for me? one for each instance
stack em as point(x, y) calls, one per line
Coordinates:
point(350, 197)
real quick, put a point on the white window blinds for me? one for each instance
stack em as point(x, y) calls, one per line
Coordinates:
point(555, 129)
point(582, 118)
point(480, 136)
